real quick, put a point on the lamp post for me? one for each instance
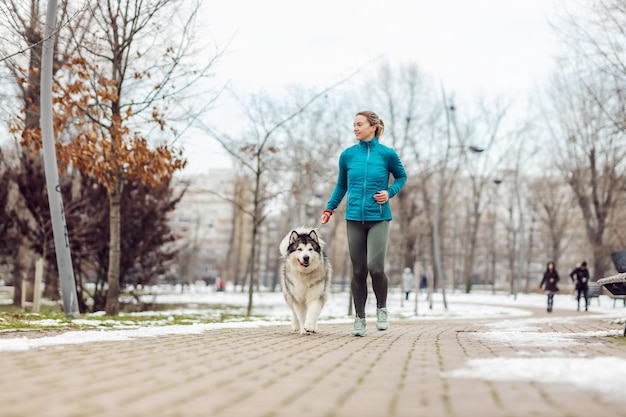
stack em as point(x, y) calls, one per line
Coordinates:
point(522, 237)
point(497, 182)
point(57, 216)
point(436, 212)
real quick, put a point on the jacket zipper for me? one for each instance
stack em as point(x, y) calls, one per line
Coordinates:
point(365, 184)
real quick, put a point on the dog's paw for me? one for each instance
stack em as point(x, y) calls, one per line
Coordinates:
point(308, 331)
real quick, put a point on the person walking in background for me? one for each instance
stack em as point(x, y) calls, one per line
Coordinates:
point(550, 280)
point(408, 282)
point(424, 282)
point(580, 277)
point(364, 174)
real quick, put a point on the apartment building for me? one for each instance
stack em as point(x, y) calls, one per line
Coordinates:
point(203, 220)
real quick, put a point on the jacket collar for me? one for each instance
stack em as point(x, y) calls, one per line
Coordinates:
point(369, 143)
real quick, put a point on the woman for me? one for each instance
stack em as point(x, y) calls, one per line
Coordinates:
point(550, 279)
point(364, 171)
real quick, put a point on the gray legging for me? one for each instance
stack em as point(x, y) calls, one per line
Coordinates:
point(367, 242)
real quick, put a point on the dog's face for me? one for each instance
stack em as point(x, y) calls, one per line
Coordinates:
point(304, 249)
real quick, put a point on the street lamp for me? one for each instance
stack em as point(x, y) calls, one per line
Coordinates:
point(55, 200)
point(497, 182)
point(436, 212)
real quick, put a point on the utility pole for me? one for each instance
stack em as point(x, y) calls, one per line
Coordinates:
point(59, 227)
point(436, 213)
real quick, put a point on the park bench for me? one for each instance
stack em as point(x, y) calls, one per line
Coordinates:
point(618, 297)
point(616, 285)
point(594, 290)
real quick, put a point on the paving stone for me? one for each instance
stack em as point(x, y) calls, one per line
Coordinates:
point(272, 372)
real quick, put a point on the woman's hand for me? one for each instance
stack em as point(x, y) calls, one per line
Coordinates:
point(326, 216)
point(381, 197)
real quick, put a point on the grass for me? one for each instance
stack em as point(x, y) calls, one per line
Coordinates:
point(132, 315)
point(13, 319)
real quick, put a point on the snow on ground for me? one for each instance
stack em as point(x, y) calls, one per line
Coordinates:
point(269, 308)
point(604, 375)
point(509, 323)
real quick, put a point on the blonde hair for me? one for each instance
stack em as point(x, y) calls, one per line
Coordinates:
point(374, 120)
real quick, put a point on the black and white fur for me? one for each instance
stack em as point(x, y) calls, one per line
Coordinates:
point(305, 276)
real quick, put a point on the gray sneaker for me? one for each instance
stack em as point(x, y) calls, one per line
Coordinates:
point(359, 327)
point(381, 319)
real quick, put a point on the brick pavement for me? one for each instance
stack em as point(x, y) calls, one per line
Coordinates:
point(270, 372)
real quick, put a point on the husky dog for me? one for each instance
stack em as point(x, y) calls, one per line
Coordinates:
point(305, 276)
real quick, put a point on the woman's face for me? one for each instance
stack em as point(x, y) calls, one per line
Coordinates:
point(362, 128)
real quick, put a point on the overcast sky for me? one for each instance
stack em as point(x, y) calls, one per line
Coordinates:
point(469, 44)
point(492, 47)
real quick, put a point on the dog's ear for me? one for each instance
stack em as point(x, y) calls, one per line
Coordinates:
point(293, 237)
point(313, 235)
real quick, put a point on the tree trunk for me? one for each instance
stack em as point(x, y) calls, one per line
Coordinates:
point(601, 264)
point(18, 274)
point(512, 247)
point(31, 100)
point(255, 228)
point(252, 270)
point(113, 274)
point(529, 255)
point(470, 253)
point(52, 288)
point(595, 213)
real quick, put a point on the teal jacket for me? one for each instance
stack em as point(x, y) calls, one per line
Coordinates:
point(363, 171)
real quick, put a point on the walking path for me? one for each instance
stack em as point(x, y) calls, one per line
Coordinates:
point(416, 368)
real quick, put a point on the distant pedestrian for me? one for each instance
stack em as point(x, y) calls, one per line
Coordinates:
point(408, 282)
point(580, 277)
point(424, 282)
point(550, 280)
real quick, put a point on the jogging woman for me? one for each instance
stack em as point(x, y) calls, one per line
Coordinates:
point(364, 174)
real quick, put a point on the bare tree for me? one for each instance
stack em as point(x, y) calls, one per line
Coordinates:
point(593, 32)
point(479, 134)
point(554, 203)
point(591, 154)
point(587, 109)
point(518, 203)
